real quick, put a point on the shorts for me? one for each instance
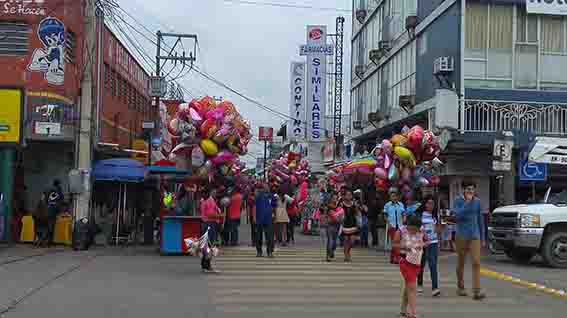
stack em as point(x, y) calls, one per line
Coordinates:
point(409, 271)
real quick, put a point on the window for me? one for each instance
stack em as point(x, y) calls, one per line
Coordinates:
point(15, 38)
point(110, 48)
point(401, 74)
point(107, 75)
point(113, 83)
point(70, 47)
point(399, 11)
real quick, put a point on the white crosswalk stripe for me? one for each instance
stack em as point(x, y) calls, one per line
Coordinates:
point(297, 282)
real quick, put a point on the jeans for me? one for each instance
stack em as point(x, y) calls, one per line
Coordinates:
point(465, 247)
point(266, 230)
point(51, 229)
point(430, 255)
point(232, 232)
point(364, 235)
point(332, 233)
point(373, 230)
point(291, 228)
point(253, 233)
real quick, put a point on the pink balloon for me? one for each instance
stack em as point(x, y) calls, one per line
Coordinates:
point(222, 157)
point(195, 114)
point(381, 173)
point(387, 162)
point(216, 114)
point(387, 146)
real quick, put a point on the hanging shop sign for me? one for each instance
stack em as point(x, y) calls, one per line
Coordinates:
point(297, 125)
point(50, 118)
point(316, 84)
point(551, 7)
point(266, 134)
point(11, 114)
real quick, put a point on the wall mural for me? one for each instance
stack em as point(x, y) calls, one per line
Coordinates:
point(50, 59)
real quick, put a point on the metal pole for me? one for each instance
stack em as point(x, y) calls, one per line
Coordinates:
point(118, 213)
point(6, 187)
point(153, 112)
point(265, 157)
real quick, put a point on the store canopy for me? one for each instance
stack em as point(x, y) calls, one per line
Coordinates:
point(119, 170)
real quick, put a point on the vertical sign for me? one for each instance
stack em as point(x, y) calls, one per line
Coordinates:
point(297, 125)
point(316, 83)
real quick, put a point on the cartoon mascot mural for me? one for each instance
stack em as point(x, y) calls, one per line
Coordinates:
point(50, 59)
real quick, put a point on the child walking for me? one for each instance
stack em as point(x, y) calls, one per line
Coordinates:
point(430, 225)
point(410, 240)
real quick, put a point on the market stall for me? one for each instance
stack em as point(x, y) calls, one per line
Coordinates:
point(204, 140)
point(117, 185)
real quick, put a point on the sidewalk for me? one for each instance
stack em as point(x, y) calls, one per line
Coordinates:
point(16, 252)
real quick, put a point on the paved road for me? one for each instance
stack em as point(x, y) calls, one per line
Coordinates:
point(139, 283)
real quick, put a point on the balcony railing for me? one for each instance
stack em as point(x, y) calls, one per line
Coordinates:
point(492, 116)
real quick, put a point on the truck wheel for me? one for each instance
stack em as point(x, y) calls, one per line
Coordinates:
point(554, 250)
point(520, 256)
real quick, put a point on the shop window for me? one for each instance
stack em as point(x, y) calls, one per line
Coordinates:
point(14, 38)
point(70, 47)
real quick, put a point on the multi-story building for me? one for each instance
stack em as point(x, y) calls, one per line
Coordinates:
point(475, 71)
point(41, 54)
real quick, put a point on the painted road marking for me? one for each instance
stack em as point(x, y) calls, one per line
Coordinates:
point(523, 283)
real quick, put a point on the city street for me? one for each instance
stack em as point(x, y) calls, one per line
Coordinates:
point(138, 282)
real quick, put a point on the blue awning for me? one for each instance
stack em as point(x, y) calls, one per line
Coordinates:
point(119, 170)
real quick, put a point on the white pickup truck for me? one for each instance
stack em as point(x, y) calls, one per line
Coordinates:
point(529, 229)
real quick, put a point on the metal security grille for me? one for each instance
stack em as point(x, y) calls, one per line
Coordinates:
point(14, 38)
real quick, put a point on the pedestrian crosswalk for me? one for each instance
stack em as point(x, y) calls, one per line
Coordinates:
point(298, 282)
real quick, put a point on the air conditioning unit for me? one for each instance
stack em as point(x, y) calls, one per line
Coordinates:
point(443, 65)
point(361, 15)
point(407, 102)
point(375, 55)
point(359, 71)
point(384, 46)
point(357, 124)
point(411, 22)
point(375, 117)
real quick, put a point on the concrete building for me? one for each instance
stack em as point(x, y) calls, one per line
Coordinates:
point(41, 55)
point(498, 72)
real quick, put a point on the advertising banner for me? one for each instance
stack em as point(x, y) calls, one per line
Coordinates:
point(11, 116)
point(316, 84)
point(297, 126)
point(552, 7)
point(50, 117)
point(266, 134)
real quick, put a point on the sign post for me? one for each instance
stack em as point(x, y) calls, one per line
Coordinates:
point(266, 134)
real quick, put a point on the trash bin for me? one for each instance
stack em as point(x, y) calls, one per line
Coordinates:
point(63, 230)
point(82, 235)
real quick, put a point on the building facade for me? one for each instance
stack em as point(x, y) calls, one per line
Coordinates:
point(476, 71)
point(41, 54)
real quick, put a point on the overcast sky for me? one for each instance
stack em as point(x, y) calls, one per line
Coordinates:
point(249, 47)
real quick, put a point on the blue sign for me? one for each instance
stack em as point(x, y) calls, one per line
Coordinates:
point(532, 171)
point(156, 141)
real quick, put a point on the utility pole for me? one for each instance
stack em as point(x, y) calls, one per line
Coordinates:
point(85, 137)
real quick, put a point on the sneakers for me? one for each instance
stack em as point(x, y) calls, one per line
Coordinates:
point(271, 255)
point(420, 290)
point(436, 293)
point(462, 292)
point(258, 254)
point(478, 295)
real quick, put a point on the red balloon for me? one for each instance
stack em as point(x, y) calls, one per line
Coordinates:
point(415, 138)
point(381, 184)
point(198, 106)
point(434, 180)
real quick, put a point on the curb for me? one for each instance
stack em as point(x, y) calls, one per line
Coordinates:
point(529, 285)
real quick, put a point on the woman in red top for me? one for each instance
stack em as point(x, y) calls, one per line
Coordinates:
point(233, 222)
point(211, 215)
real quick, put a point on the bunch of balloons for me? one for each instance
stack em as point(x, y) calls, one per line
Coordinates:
point(209, 136)
point(289, 168)
point(407, 161)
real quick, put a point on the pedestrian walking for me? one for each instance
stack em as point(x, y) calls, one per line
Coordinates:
point(468, 237)
point(282, 218)
point(350, 225)
point(430, 226)
point(333, 216)
point(40, 217)
point(233, 220)
point(394, 211)
point(55, 198)
point(293, 214)
point(363, 219)
point(211, 215)
point(265, 212)
point(410, 240)
point(375, 215)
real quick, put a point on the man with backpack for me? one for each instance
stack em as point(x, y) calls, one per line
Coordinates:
point(55, 198)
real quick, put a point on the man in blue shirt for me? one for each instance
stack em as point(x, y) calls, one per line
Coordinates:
point(394, 211)
point(265, 209)
point(469, 222)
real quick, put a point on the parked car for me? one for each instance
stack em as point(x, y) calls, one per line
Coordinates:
point(525, 230)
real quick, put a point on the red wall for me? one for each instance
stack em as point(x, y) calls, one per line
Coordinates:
point(126, 103)
point(14, 69)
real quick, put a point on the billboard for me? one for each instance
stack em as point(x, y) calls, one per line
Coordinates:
point(11, 113)
point(297, 125)
point(266, 134)
point(552, 7)
point(316, 84)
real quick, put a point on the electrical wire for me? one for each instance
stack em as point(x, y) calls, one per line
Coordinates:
point(286, 5)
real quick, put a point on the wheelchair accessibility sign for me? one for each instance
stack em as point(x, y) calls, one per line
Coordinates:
point(532, 171)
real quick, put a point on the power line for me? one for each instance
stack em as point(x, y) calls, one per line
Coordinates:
point(287, 5)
